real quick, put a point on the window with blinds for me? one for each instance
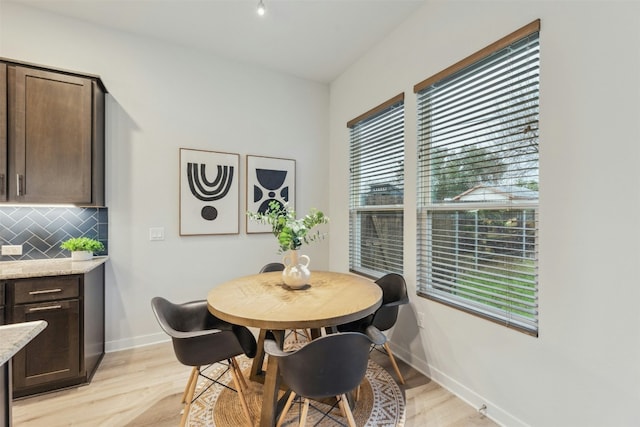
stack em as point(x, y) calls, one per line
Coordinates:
point(478, 182)
point(376, 190)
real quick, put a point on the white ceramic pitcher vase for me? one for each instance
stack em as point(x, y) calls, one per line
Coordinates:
point(296, 273)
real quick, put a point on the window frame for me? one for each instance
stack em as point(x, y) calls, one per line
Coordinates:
point(427, 209)
point(357, 206)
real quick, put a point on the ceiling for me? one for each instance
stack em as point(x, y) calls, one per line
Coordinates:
point(311, 39)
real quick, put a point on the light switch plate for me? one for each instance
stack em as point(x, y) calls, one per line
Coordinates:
point(156, 233)
point(420, 319)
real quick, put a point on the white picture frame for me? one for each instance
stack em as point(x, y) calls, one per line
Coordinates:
point(209, 192)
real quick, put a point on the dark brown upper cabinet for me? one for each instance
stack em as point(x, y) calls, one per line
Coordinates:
point(51, 136)
point(3, 132)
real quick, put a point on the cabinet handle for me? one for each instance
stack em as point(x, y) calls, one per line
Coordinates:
point(1, 183)
point(45, 291)
point(49, 307)
point(18, 184)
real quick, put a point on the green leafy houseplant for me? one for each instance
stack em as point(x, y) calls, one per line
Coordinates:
point(291, 232)
point(82, 244)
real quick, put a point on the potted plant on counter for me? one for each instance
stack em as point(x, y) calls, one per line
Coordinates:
point(82, 248)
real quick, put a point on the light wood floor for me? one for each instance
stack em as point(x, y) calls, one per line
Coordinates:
point(143, 387)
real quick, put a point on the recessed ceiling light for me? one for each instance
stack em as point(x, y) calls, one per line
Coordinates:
point(261, 9)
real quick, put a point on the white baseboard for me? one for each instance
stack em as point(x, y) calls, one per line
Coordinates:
point(140, 341)
point(461, 391)
point(144, 340)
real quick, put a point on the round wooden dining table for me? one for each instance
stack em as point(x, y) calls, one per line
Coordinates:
point(263, 301)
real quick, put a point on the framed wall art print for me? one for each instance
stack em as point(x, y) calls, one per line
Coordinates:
point(209, 192)
point(269, 179)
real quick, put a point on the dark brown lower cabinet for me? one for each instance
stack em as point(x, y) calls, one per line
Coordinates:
point(2, 303)
point(67, 352)
point(5, 373)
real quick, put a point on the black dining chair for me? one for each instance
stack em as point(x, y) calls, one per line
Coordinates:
point(394, 294)
point(278, 266)
point(201, 339)
point(329, 366)
point(272, 266)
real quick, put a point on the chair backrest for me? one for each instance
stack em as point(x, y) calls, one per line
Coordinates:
point(327, 366)
point(272, 266)
point(394, 294)
point(198, 337)
point(176, 318)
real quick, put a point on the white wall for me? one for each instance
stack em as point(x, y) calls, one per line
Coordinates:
point(163, 97)
point(583, 369)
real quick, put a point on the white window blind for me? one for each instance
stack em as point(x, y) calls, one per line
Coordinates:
point(478, 183)
point(377, 190)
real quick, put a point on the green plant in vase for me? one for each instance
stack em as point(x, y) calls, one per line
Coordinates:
point(290, 231)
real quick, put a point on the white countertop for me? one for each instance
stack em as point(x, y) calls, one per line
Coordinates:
point(15, 336)
point(47, 267)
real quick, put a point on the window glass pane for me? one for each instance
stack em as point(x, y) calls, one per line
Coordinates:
point(486, 258)
point(377, 241)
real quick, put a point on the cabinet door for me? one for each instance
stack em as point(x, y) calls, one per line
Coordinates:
point(50, 120)
point(53, 355)
point(3, 132)
point(2, 319)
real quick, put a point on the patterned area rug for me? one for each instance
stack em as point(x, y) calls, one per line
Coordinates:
point(381, 402)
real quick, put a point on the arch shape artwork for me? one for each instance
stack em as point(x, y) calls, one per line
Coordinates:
point(209, 192)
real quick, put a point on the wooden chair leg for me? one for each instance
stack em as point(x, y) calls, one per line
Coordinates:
point(236, 367)
point(192, 377)
point(296, 332)
point(243, 401)
point(189, 398)
point(286, 408)
point(393, 362)
point(344, 405)
point(305, 411)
